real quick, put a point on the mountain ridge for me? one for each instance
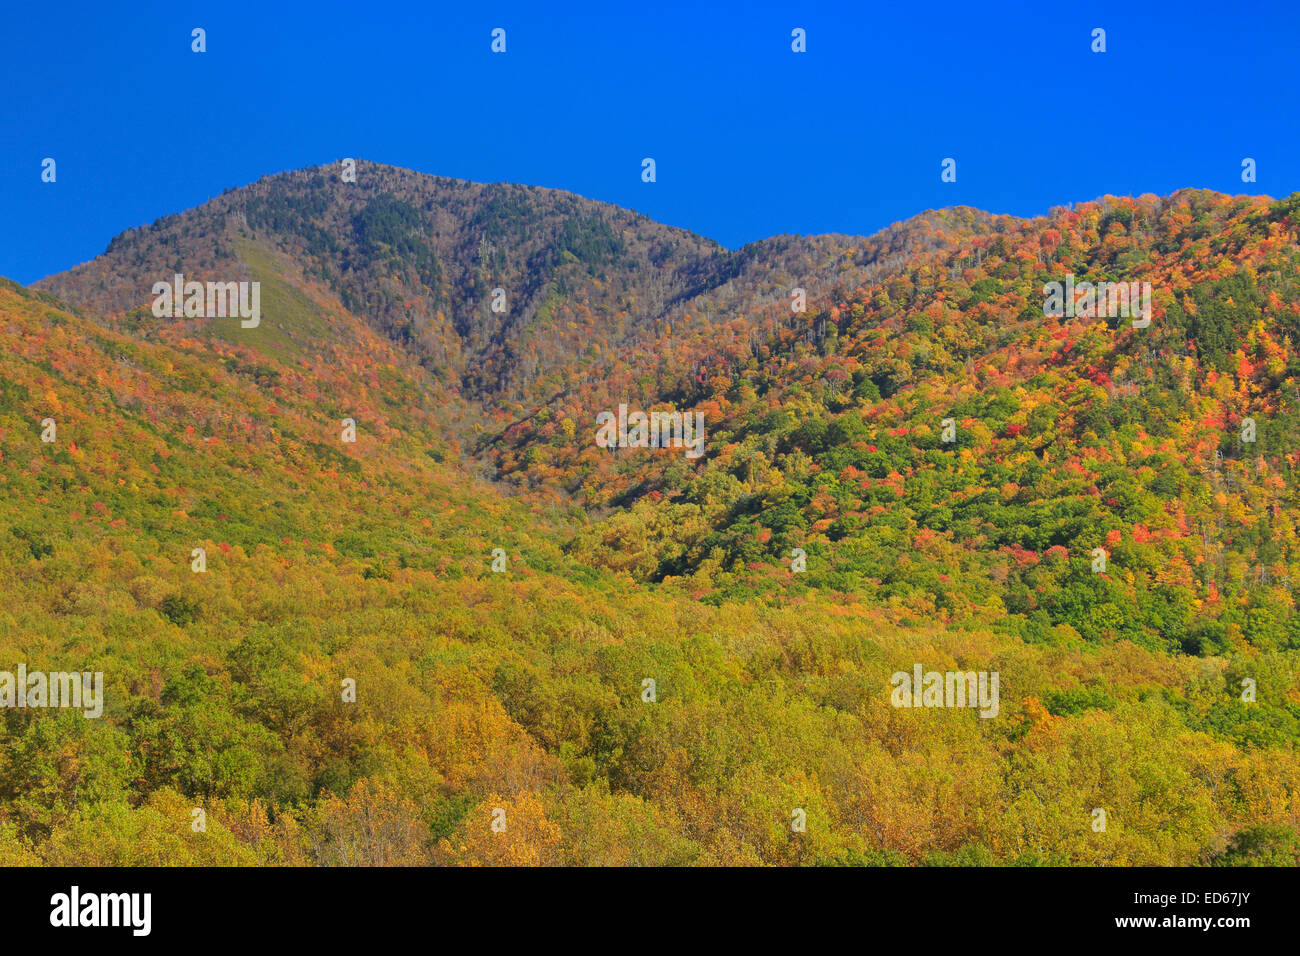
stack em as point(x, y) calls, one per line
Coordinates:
point(449, 262)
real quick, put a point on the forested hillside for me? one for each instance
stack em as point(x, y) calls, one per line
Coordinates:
point(1068, 435)
point(632, 656)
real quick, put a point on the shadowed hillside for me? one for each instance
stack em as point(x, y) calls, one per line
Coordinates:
point(417, 257)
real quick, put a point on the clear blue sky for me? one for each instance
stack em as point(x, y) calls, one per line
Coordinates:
point(750, 139)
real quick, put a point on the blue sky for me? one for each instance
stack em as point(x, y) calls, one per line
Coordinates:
point(750, 139)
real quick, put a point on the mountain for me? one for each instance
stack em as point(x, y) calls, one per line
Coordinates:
point(474, 612)
point(1172, 446)
point(417, 257)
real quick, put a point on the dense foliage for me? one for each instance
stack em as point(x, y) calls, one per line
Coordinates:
point(521, 695)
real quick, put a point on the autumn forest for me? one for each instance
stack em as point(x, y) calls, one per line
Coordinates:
point(365, 588)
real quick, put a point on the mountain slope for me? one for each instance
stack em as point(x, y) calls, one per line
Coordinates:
point(1068, 434)
point(418, 258)
point(500, 636)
